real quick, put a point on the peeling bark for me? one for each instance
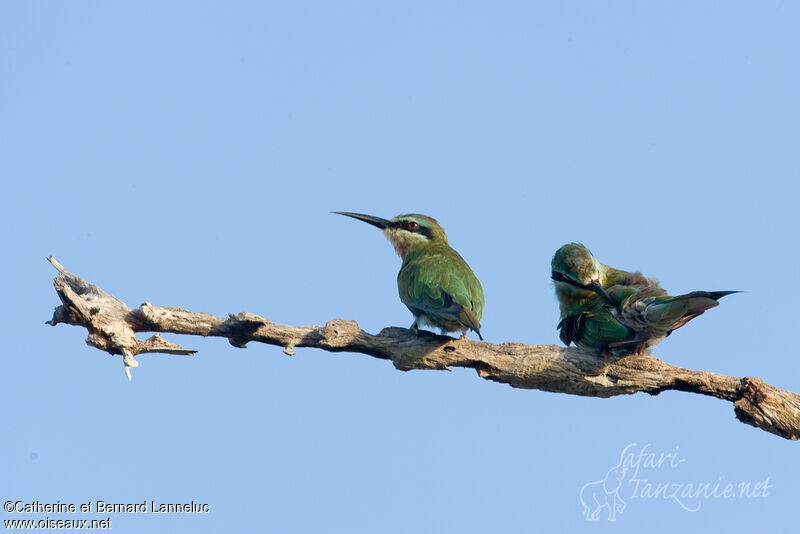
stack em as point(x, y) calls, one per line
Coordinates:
point(112, 327)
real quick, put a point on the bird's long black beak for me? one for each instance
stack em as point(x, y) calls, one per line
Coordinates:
point(595, 286)
point(374, 221)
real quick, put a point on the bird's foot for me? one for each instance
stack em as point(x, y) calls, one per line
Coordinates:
point(463, 336)
point(414, 328)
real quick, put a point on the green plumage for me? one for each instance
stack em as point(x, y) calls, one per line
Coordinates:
point(434, 282)
point(633, 312)
point(440, 289)
point(593, 327)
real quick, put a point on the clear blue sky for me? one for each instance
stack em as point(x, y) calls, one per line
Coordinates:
point(189, 154)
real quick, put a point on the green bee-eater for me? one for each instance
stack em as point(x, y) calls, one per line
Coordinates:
point(609, 309)
point(434, 282)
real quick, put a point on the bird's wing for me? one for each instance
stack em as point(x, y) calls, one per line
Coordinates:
point(430, 284)
point(655, 314)
point(595, 328)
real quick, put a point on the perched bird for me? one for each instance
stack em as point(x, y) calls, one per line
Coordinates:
point(604, 308)
point(434, 282)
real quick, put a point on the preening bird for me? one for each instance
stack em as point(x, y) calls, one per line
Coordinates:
point(608, 309)
point(434, 282)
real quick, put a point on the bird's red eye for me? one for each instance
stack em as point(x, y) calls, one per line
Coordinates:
point(412, 225)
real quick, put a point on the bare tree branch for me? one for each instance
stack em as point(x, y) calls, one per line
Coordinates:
point(113, 326)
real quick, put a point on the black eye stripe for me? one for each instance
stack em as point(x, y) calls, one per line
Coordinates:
point(420, 229)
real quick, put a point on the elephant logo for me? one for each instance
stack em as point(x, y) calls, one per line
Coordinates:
point(604, 493)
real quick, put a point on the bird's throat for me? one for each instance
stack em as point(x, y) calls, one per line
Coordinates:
point(403, 242)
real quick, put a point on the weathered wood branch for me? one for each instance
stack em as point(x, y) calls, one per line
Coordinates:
point(113, 326)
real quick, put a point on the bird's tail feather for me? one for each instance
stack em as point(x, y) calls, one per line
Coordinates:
point(472, 321)
point(697, 302)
